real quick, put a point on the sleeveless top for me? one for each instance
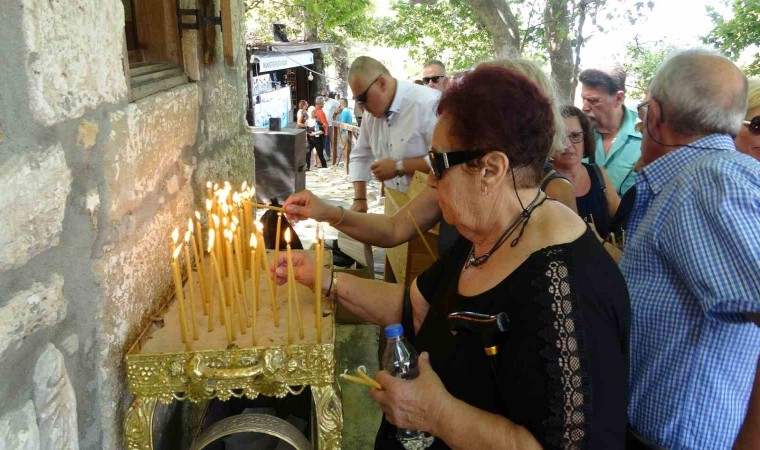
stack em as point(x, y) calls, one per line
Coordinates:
point(562, 366)
point(594, 203)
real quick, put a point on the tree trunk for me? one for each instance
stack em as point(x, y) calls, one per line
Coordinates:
point(340, 58)
point(319, 82)
point(557, 20)
point(505, 30)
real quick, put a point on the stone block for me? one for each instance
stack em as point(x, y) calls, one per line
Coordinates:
point(225, 110)
point(55, 402)
point(147, 138)
point(35, 187)
point(136, 278)
point(40, 307)
point(73, 61)
point(18, 429)
point(234, 163)
point(87, 134)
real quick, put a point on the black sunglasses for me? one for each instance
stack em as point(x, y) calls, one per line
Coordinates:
point(440, 161)
point(426, 80)
point(753, 125)
point(362, 98)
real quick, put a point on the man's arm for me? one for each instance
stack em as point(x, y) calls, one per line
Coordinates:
point(358, 164)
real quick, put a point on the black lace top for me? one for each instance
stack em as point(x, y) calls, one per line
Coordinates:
point(562, 365)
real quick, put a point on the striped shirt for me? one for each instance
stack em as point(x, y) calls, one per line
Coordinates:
point(692, 265)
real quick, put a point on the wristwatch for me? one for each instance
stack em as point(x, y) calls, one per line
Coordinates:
point(400, 168)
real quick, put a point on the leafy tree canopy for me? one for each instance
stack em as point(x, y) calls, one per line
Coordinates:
point(642, 61)
point(735, 35)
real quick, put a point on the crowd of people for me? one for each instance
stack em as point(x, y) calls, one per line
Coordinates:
point(623, 245)
point(318, 120)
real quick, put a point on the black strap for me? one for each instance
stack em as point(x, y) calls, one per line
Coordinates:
point(407, 317)
point(599, 176)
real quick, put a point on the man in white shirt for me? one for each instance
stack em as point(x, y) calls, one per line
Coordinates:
point(396, 134)
point(330, 106)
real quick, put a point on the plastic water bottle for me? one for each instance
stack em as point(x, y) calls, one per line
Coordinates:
point(400, 359)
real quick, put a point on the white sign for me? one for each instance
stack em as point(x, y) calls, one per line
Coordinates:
point(272, 104)
point(278, 61)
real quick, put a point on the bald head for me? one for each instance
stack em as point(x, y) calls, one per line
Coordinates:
point(701, 93)
point(366, 69)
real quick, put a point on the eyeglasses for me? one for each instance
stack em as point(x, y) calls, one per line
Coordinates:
point(435, 79)
point(753, 125)
point(576, 137)
point(440, 161)
point(362, 98)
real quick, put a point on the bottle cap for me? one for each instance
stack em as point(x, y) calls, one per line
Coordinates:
point(394, 330)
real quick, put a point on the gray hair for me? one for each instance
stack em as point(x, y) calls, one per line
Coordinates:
point(610, 79)
point(699, 94)
point(319, 100)
point(435, 62)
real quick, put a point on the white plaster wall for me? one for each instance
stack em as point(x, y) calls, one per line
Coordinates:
point(34, 189)
point(64, 42)
point(146, 138)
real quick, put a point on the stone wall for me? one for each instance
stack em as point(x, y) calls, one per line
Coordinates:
point(92, 186)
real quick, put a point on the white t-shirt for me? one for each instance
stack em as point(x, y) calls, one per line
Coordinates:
point(406, 133)
point(330, 106)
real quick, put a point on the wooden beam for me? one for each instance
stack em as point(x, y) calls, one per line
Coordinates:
point(226, 13)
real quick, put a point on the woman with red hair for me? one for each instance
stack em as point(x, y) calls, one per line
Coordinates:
point(559, 378)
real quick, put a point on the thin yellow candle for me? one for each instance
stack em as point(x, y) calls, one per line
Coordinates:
point(179, 290)
point(318, 282)
point(292, 284)
point(261, 205)
point(199, 260)
point(290, 290)
point(277, 247)
point(191, 284)
point(235, 304)
point(240, 270)
point(234, 227)
point(218, 271)
point(270, 282)
point(255, 285)
point(422, 236)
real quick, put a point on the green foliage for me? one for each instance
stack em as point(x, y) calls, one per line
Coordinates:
point(333, 21)
point(448, 30)
point(642, 62)
point(735, 35)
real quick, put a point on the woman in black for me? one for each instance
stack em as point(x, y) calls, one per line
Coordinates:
point(315, 134)
point(561, 372)
point(594, 194)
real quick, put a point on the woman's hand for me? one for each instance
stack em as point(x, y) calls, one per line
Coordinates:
point(304, 205)
point(412, 404)
point(303, 270)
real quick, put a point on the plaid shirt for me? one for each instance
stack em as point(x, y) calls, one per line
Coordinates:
point(692, 265)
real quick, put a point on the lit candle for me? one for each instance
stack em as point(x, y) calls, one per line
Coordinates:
point(222, 306)
point(255, 283)
point(270, 282)
point(241, 279)
point(191, 284)
point(175, 238)
point(277, 246)
point(199, 259)
point(179, 290)
point(292, 285)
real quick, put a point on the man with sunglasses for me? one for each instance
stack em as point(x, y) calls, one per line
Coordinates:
point(395, 135)
point(434, 75)
point(692, 260)
point(618, 144)
point(748, 139)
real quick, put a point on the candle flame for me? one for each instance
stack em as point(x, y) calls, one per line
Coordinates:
point(187, 236)
point(209, 204)
point(198, 215)
point(236, 197)
point(235, 220)
point(227, 186)
point(208, 185)
point(228, 235)
point(177, 251)
point(244, 186)
point(190, 224)
point(215, 218)
point(216, 186)
point(175, 235)
point(225, 208)
point(225, 222)
point(211, 237)
point(252, 191)
point(254, 242)
point(287, 235)
point(259, 226)
point(233, 226)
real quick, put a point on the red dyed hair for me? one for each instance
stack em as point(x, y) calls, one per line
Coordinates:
point(497, 108)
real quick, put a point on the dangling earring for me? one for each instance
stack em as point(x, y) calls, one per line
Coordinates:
point(484, 190)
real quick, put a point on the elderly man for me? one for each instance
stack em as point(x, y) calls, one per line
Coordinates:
point(692, 261)
point(330, 106)
point(434, 75)
point(395, 135)
point(618, 144)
